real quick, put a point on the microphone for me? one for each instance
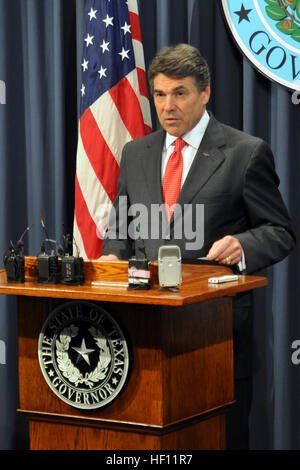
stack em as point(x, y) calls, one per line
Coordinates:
point(20, 244)
point(48, 267)
point(43, 225)
point(14, 261)
point(72, 267)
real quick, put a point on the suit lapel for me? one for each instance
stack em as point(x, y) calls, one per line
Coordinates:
point(152, 166)
point(207, 159)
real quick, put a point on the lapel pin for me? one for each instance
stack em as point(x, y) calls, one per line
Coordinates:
point(205, 154)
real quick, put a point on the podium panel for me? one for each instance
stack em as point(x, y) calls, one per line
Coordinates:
point(207, 434)
point(180, 368)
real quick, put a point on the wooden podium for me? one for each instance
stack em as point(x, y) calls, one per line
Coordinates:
point(181, 379)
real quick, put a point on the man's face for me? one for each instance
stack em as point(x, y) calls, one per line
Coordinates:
point(179, 104)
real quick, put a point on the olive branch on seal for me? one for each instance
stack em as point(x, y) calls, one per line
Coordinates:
point(71, 372)
point(287, 15)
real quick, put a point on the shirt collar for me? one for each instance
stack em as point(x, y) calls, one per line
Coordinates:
point(194, 136)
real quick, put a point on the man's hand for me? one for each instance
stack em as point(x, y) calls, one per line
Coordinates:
point(108, 258)
point(227, 250)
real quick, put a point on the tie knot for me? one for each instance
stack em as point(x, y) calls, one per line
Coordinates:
point(179, 144)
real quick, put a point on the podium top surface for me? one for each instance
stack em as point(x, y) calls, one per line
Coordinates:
point(107, 281)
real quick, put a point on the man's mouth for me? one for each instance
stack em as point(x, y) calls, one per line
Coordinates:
point(171, 119)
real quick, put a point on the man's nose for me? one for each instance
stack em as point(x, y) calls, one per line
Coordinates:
point(170, 103)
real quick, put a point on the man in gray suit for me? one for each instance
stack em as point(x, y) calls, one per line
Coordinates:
point(231, 175)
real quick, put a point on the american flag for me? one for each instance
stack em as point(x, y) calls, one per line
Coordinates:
point(114, 108)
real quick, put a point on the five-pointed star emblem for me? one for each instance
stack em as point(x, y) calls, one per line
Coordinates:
point(102, 72)
point(85, 64)
point(126, 28)
point(104, 46)
point(108, 21)
point(83, 352)
point(243, 14)
point(124, 54)
point(92, 14)
point(89, 40)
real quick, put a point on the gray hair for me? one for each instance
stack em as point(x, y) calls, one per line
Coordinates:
point(180, 61)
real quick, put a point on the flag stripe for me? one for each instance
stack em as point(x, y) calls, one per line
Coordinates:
point(132, 6)
point(86, 225)
point(144, 101)
point(77, 239)
point(148, 129)
point(99, 154)
point(138, 54)
point(129, 107)
point(108, 120)
point(91, 187)
point(135, 26)
point(142, 82)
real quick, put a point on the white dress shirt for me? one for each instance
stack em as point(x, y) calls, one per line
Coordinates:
point(193, 140)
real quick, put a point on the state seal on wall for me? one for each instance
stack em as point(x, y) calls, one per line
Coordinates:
point(268, 34)
point(84, 355)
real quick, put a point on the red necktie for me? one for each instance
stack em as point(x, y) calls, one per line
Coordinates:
point(172, 178)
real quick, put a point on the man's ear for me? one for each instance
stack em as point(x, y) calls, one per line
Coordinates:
point(206, 93)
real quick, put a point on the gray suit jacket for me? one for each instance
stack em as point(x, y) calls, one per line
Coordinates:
point(233, 176)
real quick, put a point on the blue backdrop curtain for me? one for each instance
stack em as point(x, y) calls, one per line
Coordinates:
point(40, 57)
